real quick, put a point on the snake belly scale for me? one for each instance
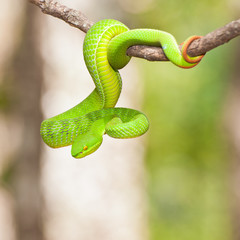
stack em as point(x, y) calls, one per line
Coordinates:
point(104, 51)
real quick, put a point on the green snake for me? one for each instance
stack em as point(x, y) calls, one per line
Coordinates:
point(104, 50)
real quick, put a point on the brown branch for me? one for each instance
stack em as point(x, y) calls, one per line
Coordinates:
point(71, 16)
point(198, 47)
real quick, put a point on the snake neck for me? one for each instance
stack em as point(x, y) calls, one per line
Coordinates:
point(107, 80)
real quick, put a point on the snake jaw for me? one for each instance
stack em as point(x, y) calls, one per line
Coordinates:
point(86, 144)
point(86, 151)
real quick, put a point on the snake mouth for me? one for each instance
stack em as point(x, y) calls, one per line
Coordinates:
point(87, 151)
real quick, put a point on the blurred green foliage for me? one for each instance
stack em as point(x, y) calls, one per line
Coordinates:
point(187, 156)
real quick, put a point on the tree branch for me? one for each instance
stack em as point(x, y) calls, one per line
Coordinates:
point(71, 16)
point(198, 47)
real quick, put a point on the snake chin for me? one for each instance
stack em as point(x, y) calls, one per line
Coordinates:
point(88, 151)
point(86, 145)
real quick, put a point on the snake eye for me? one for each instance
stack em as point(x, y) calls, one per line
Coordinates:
point(85, 147)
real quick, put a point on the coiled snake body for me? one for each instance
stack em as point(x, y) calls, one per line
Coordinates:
point(104, 52)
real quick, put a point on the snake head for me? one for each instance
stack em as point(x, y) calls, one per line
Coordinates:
point(85, 144)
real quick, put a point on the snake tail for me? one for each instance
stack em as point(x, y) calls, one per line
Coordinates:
point(118, 46)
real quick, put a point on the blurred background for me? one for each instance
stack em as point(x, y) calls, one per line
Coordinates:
point(181, 180)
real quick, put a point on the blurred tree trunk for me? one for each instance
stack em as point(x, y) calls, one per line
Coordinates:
point(233, 125)
point(26, 71)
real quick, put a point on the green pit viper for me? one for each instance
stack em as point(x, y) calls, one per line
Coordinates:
point(104, 51)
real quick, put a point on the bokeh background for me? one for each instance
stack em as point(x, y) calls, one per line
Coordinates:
point(181, 180)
